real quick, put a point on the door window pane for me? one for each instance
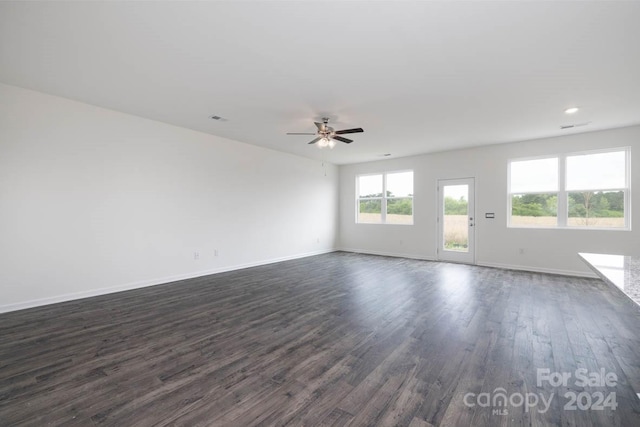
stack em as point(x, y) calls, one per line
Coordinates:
point(456, 218)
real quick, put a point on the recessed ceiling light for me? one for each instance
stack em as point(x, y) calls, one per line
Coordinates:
point(385, 155)
point(218, 118)
point(571, 110)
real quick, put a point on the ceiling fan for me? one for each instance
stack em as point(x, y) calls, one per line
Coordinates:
point(327, 136)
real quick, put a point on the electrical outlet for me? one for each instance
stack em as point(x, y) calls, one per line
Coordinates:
point(318, 240)
point(196, 255)
point(521, 251)
point(215, 252)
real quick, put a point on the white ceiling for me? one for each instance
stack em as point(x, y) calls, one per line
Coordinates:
point(417, 76)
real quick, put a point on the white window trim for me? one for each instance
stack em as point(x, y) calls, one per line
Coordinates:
point(563, 194)
point(383, 203)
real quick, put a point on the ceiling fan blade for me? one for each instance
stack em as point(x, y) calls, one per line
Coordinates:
point(321, 126)
point(300, 133)
point(316, 140)
point(354, 130)
point(345, 140)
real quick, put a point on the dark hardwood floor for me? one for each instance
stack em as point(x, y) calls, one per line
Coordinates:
point(331, 340)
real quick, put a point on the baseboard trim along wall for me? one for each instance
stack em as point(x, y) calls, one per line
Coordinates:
point(145, 283)
point(572, 273)
point(391, 254)
point(142, 284)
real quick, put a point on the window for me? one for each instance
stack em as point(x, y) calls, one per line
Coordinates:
point(581, 190)
point(385, 198)
point(370, 190)
point(597, 189)
point(534, 192)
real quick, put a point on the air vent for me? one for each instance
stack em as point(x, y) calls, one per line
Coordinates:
point(576, 125)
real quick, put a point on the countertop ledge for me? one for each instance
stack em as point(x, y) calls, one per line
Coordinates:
point(621, 271)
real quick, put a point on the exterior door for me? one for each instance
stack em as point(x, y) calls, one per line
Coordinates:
point(456, 220)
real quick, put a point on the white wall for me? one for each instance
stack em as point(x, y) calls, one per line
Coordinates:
point(496, 245)
point(93, 201)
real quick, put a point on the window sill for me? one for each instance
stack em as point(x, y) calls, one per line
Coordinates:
point(515, 227)
point(381, 223)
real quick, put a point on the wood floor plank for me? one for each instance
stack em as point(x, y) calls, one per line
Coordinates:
point(333, 340)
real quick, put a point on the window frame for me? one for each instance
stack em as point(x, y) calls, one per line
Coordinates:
point(563, 193)
point(384, 198)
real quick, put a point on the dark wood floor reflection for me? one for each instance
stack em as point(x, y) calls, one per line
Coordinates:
point(336, 339)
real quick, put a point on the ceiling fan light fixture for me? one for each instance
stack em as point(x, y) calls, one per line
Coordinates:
point(326, 142)
point(326, 136)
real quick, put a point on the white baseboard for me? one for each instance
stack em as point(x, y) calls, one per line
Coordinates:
point(5, 308)
point(481, 264)
point(159, 281)
point(391, 254)
point(572, 273)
